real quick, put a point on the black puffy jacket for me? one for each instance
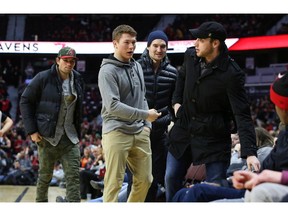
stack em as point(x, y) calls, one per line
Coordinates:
point(41, 100)
point(159, 89)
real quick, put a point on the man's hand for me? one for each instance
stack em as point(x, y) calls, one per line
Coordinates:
point(253, 163)
point(153, 115)
point(36, 137)
point(176, 107)
point(242, 179)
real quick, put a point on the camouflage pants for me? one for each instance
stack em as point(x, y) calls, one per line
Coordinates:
point(69, 156)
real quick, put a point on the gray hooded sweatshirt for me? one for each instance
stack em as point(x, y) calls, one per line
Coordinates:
point(124, 106)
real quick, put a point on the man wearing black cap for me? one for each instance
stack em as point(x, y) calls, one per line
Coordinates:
point(160, 79)
point(51, 109)
point(209, 96)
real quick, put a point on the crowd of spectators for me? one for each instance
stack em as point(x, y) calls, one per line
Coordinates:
point(84, 27)
point(98, 27)
point(236, 25)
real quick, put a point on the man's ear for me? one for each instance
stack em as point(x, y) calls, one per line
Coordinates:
point(57, 59)
point(114, 44)
point(216, 43)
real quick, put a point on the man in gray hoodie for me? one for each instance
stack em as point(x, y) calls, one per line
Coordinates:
point(126, 119)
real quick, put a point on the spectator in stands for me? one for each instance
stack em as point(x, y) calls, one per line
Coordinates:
point(6, 124)
point(17, 143)
point(51, 108)
point(86, 157)
point(3, 86)
point(268, 186)
point(271, 185)
point(6, 145)
point(29, 71)
point(209, 95)
point(12, 76)
point(5, 165)
point(94, 170)
point(122, 196)
point(160, 78)
point(235, 150)
point(20, 174)
point(58, 175)
point(126, 119)
point(264, 142)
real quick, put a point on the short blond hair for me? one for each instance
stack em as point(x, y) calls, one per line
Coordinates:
point(122, 29)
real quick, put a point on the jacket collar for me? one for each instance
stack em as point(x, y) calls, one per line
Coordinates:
point(221, 62)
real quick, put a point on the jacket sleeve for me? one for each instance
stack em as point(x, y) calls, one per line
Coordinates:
point(179, 87)
point(28, 104)
point(284, 178)
point(241, 111)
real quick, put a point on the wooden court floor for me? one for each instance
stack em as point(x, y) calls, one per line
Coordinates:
point(17, 193)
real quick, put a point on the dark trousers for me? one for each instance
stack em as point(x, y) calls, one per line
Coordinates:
point(159, 155)
point(85, 187)
point(177, 169)
point(207, 193)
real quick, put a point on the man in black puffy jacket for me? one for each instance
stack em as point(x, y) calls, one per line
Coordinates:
point(51, 107)
point(160, 79)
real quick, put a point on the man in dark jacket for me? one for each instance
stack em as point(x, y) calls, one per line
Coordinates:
point(160, 79)
point(51, 108)
point(209, 95)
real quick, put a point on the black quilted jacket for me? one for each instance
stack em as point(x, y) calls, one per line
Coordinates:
point(41, 100)
point(159, 89)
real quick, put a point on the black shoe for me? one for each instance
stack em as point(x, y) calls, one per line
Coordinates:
point(98, 185)
point(61, 199)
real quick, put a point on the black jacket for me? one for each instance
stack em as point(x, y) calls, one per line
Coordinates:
point(209, 104)
point(277, 159)
point(41, 100)
point(159, 90)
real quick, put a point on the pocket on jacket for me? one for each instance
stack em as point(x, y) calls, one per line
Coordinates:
point(178, 135)
point(45, 125)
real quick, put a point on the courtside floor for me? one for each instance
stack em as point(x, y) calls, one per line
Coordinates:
point(17, 193)
point(10, 195)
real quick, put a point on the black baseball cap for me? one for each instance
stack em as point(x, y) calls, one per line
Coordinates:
point(210, 30)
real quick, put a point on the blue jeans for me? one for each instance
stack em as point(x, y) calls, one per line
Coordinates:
point(207, 193)
point(174, 176)
point(177, 169)
point(216, 171)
